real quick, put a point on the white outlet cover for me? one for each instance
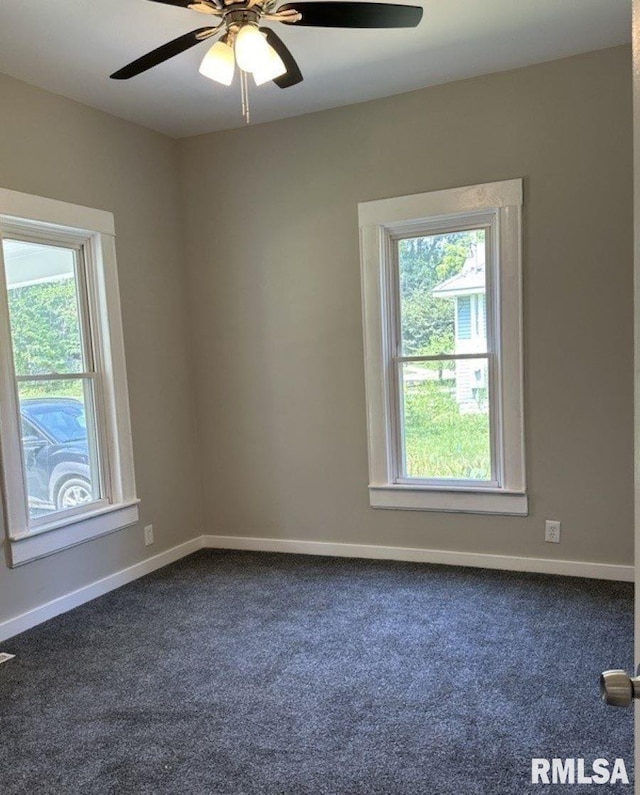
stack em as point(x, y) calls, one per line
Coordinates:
point(552, 529)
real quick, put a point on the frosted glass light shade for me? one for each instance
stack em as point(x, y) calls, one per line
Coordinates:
point(273, 68)
point(219, 64)
point(252, 50)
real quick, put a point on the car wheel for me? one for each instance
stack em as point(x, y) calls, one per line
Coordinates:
point(73, 492)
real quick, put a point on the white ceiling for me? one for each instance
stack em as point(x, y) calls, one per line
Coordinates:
point(71, 46)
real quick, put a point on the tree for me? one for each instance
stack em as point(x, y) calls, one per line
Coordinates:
point(428, 321)
point(45, 330)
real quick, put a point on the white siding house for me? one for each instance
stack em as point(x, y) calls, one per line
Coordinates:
point(467, 289)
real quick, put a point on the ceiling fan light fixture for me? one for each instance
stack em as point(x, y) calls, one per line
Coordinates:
point(219, 63)
point(273, 68)
point(251, 48)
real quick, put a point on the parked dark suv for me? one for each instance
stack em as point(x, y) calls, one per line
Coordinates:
point(54, 438)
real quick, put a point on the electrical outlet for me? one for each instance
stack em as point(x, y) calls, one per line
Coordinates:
point(552, 531)
point(148, 535)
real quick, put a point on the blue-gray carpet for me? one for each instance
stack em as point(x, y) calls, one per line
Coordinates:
point(242, 673)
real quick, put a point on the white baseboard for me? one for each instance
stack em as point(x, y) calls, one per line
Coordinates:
point(571, 568)
point(62, 604)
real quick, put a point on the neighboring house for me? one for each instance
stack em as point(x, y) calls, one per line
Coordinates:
point(467, 290)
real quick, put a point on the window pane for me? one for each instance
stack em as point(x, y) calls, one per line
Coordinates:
point(442, 294)
point(446, 419)
point(58, 442)
point(43, 307)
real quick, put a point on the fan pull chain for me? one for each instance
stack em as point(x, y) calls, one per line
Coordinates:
point(244, 93)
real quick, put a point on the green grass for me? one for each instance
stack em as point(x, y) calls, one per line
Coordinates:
point(439, 441)
point(49, 389)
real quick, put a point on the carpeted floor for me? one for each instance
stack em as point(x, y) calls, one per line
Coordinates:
point(242, 673)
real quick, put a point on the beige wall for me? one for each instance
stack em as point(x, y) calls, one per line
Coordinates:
point(272, 251)
point(274, 317)
point(53, 147)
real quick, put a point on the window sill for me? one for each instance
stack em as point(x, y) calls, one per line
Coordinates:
point(415, 498)
point(47, 540)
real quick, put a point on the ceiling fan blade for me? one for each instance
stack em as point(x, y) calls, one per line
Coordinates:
point(207, 7)
point(293, 75)
point(341, 14)
point(163, 53)
point(181, 3)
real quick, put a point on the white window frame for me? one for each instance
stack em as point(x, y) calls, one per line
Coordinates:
point(93, 232)
point(498, 206)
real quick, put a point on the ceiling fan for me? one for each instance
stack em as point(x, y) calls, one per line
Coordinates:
point(259, 50)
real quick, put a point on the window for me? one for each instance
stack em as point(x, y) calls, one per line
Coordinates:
point(66, 448)
point(441, 277)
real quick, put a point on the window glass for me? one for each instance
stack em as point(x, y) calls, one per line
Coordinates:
point(438, 276)
point(446, 420)
point(55, 381)
point(444, 402)
point(43, 308)
point(61, 462)
point(463, 326)
point(61, 418)
point(28, 432)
